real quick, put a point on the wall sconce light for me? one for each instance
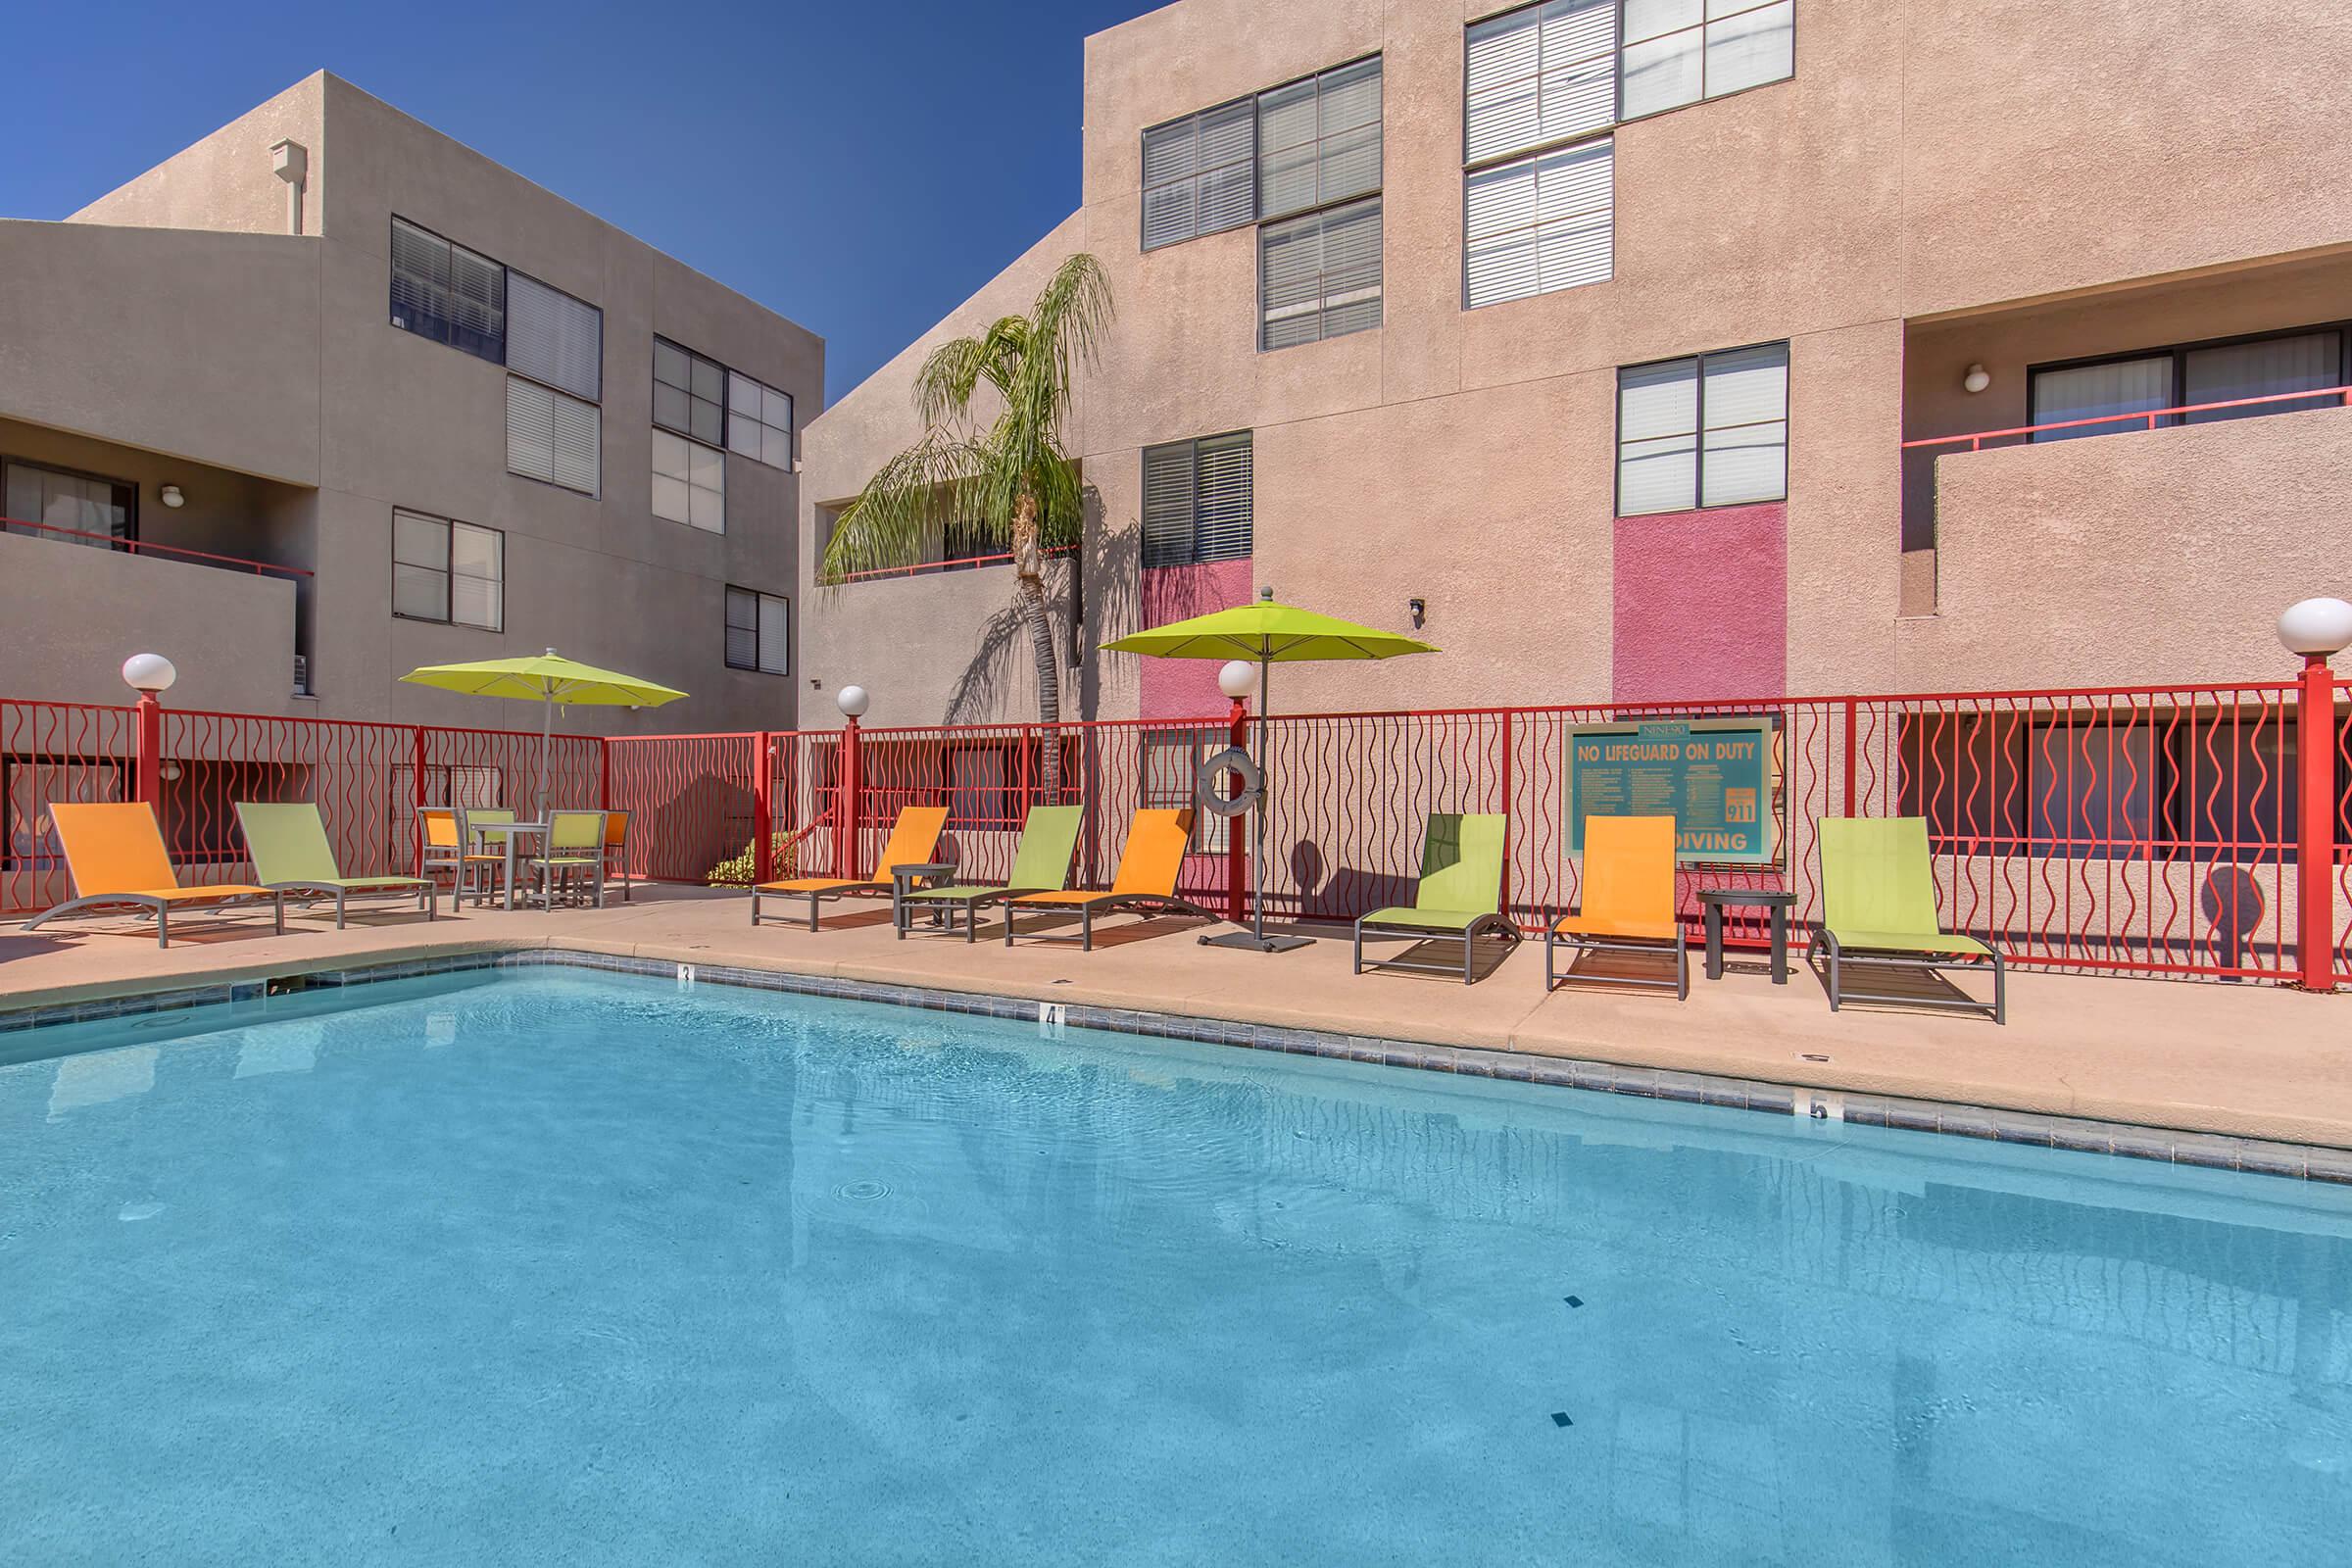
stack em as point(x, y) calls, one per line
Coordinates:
point(1976, 380)
point(171, 497)
point(1420, 609)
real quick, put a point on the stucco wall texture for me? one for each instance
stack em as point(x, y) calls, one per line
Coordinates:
point(172, 332)
point(1946, 182)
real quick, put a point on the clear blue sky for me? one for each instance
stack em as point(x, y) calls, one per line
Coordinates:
point(858, 167)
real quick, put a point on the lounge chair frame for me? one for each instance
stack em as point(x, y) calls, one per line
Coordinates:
point(1087, 910)
point(161, 908)
point(1554, 940)
point(308, 893)
point(1841, 958)
point(1468, 935)
point(881, 882)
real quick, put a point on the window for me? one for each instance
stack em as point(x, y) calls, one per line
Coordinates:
point(758, 420)
point(1196, 501)
point(2270, 366)
point(1318, 140)
point(1539, 76)
point(448, 572)
point(1710, 431)
point(690, 393)
point(758, 632)
point(552, 438)
point(106, 509)
point(1199, 174)
point(690, 482)
point(1319, 275)
point(1680, 51)
point(448, 293)
point(1540, 223)
point(553, 338)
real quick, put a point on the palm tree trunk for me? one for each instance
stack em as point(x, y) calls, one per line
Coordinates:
point(1029, 598)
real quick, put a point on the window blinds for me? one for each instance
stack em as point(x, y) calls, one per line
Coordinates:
point(553, 437)
point(555, 339)
point(1538, 75)
point(1711, 431)
point(1540, 223)
point(1199, 174)
point(1196, 501)
point(1319, 275)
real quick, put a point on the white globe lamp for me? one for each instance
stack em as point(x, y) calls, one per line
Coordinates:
point(1238, 679)
point(151, 673)
point(853, 702)
point(2315, 628)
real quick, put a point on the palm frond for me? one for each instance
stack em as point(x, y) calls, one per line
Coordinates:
point(915, 493)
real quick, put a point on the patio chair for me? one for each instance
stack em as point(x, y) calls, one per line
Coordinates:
point(913, 840)
point(115, 854)
point(1148, 866)
point(1459, 896)
point(486, 851)
point(574, 845)
point(1878, 910)
point(616, 851)
point(291, 854)
point(1041, 863)
point(1628, 900)
point(446, 849)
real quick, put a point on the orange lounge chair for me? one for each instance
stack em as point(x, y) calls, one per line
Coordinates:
point(1628, 903)
point(1147, 870)
point(117, 860)
point(913, 840)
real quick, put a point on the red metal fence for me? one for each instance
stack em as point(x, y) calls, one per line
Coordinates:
point(2192, 830)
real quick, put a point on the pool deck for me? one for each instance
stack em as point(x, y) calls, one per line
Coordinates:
point(2244, 1060)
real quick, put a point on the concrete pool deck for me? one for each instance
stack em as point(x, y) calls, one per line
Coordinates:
point(2243, 1060)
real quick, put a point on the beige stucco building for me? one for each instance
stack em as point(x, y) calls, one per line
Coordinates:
point(346, 397)
point(1596, 330)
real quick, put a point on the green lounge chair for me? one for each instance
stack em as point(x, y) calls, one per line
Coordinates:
point(1460, 894)
point(1041, 863)
point(291, 855)
point(1878, 910)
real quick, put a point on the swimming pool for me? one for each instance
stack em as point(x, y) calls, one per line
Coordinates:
point(550, 1266)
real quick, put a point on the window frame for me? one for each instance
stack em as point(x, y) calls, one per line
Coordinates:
point(2180, 353)
point(1144, 187)
point(127, 489)
point(448, 569)
point(760, 602)
point(1699, 431)
point(654, 472)
point(1700, 26)
point(1321, 312)
point(558, 397)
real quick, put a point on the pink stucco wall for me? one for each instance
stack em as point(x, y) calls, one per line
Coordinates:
point(1186, 688)
point(1702, 605)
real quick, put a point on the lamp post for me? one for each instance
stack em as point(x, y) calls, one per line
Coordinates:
point(853, 702)
point(2317, 629)
point(150, 675)
point(1237, 679)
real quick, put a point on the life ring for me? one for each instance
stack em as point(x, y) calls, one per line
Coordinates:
point(1210, 791)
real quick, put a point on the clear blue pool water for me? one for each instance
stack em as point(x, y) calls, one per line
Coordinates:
point(558, 1268)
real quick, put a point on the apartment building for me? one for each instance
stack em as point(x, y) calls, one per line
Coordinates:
point(1633, 350)
point(327, 396)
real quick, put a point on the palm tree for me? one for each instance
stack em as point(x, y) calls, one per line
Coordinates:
point(1008, 480)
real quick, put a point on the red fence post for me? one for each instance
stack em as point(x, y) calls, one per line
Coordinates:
point(2315, 837)
point(763, 837)
point(147, 746)
point(1237, 844)
point(1851, 713)
point(1505, 905)
point(604, 773)
point(853, 791)
point(416, 805)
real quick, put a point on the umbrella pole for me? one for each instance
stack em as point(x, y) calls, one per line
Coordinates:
point(1256, 937)
point(547, 721)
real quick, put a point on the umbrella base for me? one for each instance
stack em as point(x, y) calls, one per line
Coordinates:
point(1253, 943)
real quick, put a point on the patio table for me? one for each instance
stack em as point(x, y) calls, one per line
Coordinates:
point(1716, 899)
point(510, 832)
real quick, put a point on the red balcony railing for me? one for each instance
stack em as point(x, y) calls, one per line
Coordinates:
point(143, 547)
point(2145, 419)
point(925, 568)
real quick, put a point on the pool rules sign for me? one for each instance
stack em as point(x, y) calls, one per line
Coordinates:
point(1712, 776)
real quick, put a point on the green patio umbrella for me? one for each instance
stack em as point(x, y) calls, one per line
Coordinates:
point(545, 680)
point(1265, 633)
